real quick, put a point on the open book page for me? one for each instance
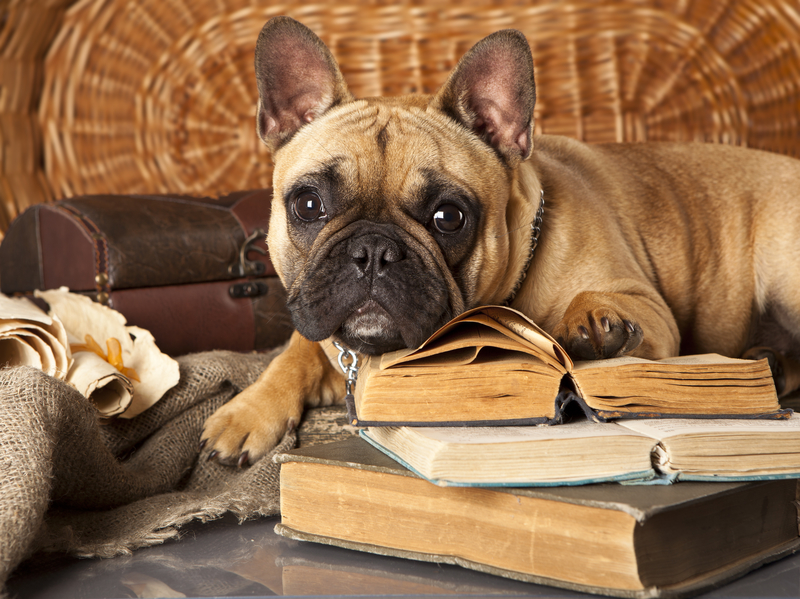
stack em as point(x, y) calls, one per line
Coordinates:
point(714, 361)
point(463, 344)
point(492, 435)
point(687, 385)
point(475, 329)
point(526, 328)
point(664, 428)
point(460, 346)
point(702, 449)
point(579, 452)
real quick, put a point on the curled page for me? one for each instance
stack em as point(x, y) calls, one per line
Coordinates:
point(131, 351)
point(30, 337)
point(107, 388)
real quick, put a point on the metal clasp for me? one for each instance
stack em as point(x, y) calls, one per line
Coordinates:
point(248, 289)
point(348, 362)
point(248, 268)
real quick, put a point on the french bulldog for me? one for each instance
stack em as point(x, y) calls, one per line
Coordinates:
point(390, 216)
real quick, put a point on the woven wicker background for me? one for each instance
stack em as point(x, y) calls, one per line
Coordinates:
point(159, 95)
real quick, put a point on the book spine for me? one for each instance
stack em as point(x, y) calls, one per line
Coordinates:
point(566, 397)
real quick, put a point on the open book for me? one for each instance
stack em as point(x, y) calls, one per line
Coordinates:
point(493, 365)
point(583, 452)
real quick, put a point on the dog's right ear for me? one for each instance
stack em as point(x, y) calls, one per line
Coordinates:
point(492, 92)
point(298, 80)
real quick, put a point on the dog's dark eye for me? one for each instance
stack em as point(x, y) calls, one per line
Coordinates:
point(308, 206)
point(448, 218)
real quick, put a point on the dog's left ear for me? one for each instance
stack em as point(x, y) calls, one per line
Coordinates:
point(298, 80)
point(492, 92)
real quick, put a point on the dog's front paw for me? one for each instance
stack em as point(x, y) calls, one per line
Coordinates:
point(597, 334)
point(247, 427)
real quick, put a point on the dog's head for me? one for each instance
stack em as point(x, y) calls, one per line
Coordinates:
point(392, 215)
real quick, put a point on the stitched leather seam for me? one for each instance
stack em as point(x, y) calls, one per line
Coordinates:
point(100, 243)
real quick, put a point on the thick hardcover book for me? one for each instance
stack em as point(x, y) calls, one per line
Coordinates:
point(493, 365)
point(654, 451)
point(627, 541)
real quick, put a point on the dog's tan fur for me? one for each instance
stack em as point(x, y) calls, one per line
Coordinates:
point(646, 249)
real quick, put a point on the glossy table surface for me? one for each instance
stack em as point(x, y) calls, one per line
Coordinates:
point(225, 559)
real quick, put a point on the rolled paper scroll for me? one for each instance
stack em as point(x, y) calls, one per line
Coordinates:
point(30, 337)
point(130, 351)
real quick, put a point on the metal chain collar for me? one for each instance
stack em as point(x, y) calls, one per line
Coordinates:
point(536, 229)
point(348, 362)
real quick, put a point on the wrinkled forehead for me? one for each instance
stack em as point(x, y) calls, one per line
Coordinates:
point(381, 149)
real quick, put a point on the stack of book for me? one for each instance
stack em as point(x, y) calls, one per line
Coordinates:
point(524, 501)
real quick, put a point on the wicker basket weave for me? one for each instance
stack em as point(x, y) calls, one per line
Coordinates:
point(159, 95)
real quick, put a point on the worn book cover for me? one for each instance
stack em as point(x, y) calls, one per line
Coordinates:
point(492, 365)
point(627, 541)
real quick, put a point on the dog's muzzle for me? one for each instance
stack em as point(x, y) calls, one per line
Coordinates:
point(370, 288)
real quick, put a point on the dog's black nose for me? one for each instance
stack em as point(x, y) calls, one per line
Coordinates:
point(373, 253)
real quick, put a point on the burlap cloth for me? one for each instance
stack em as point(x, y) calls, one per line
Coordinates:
point(74, 485)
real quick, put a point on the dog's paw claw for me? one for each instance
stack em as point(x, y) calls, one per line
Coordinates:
point(243, 460)
point(239, 433)
point(634, 338)
point(598, 334)
point(606, 324)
